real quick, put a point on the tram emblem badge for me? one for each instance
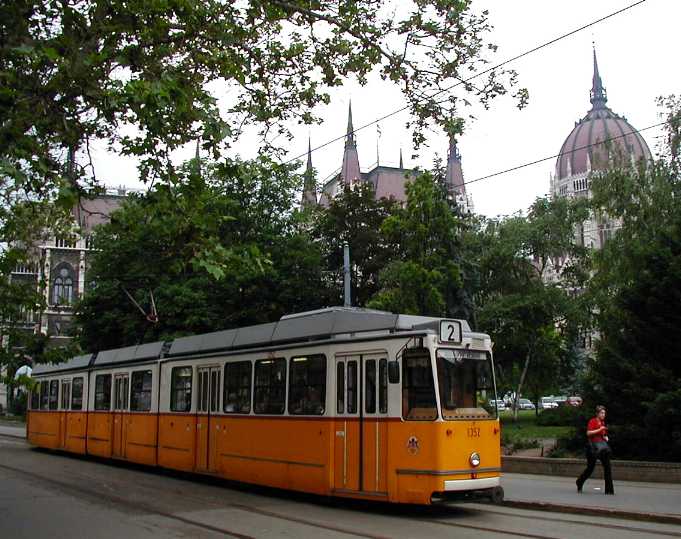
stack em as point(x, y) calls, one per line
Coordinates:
point(413, 445)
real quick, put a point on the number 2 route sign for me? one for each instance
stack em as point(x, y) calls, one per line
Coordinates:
point(450, 331)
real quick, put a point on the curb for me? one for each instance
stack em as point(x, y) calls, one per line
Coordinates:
point(10, 435)
point(660, 518)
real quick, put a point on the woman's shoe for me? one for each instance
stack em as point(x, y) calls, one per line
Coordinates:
point(579, 487)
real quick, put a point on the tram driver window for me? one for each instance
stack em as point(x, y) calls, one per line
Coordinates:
point(307, 386)
point(237, 397)
point(270, 386)
point(181, 389)
point(103, 392)
point(465, 381)
point(418, 389)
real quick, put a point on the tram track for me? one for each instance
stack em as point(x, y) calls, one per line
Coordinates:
point(659, 520)
point(137, 505)
point(148, 508)
point(105, 489)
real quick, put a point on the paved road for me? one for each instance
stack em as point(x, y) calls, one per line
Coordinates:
point(46, 494)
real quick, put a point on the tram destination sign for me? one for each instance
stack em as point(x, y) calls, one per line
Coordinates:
point(450, 331)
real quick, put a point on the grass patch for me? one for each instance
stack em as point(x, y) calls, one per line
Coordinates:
point(526, 428)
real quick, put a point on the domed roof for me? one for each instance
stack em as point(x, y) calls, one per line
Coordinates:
point(586, 147)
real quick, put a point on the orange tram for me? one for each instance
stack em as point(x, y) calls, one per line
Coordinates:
point(338, 402)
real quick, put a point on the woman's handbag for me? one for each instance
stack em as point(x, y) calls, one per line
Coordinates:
point(600, 448)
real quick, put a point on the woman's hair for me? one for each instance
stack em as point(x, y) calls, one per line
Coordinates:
point(599, 408)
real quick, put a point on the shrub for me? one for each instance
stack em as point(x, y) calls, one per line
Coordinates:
point(563, 416)
point(18, 404)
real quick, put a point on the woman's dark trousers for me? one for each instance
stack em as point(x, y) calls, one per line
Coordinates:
point(591, 459)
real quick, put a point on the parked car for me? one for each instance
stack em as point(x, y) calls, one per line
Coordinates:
point(525, 404)
point(560, 400)
point(547, 402)
point(574, 400)
point(499, 404)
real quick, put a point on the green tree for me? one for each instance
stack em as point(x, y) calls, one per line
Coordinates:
point(534, 318)
point(218, 249)
point(137, 75)
point(140, 78)
point(637, 287)
point(354, 216)
point(424, 276)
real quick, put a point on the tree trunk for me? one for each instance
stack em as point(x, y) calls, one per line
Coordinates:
point(520, 384)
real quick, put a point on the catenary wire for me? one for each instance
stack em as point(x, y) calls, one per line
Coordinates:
point(536, 161)
point(465, 81)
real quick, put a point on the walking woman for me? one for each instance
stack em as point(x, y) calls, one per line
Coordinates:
point(597, 449)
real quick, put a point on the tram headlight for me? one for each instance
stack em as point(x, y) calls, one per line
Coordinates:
point(474, 459)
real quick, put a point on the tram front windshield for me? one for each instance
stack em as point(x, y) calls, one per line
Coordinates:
point(465, 382)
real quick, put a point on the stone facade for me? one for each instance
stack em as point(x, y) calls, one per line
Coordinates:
point(388, 182)
point(59, 267)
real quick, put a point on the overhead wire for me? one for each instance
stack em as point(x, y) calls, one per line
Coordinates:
point(465, 81)
point(536, 161)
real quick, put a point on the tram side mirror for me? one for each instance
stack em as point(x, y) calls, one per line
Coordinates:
point(394, 372)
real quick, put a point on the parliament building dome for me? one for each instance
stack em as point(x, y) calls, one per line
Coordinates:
point(600, 140)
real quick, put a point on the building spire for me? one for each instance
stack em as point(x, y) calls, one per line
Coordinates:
point(197, 158)
point(350, 169)
point(454, 176)
point(309, 155)
point(598, 94)
point(309, 188)
point(350, 133)
point(401, 162)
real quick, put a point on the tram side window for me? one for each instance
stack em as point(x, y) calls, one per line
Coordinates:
point(44, 395)
point(237, 397)
point(370, 387)
point(383, 386)
point(340, 387)
point(77, 393)
point(270, 386)
point(103, 392)
point(140, 396)
point(352, 387)
point(35, 397)
point(65, 394)
point(181, 389)
point(307, 385)
point(418, 389)
point(54, 394)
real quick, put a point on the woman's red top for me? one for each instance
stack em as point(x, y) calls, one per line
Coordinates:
point(594, 424)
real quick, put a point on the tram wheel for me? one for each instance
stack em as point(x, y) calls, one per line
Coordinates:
point(497, 495)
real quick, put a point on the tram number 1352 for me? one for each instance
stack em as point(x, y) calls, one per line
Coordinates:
point(473, 432)
point(450, 331)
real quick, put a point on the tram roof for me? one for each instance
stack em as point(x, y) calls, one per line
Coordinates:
point(323, 324)
point(78, 362)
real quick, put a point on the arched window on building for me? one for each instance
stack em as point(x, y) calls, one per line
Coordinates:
point(62, 288)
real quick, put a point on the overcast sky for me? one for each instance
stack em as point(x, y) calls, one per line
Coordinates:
point(638, 53)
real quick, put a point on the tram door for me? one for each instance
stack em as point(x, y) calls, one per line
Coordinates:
point(360, 445)
point(206, 424)
point(121, 397)
point(374, 427)
point(63, 413)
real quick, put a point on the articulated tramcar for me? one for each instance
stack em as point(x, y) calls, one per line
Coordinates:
point(339, 402)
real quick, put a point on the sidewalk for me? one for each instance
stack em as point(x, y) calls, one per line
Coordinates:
point(17, 431)
point(659, 502)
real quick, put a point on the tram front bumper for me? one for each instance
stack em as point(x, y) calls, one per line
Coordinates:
point(458, 485)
